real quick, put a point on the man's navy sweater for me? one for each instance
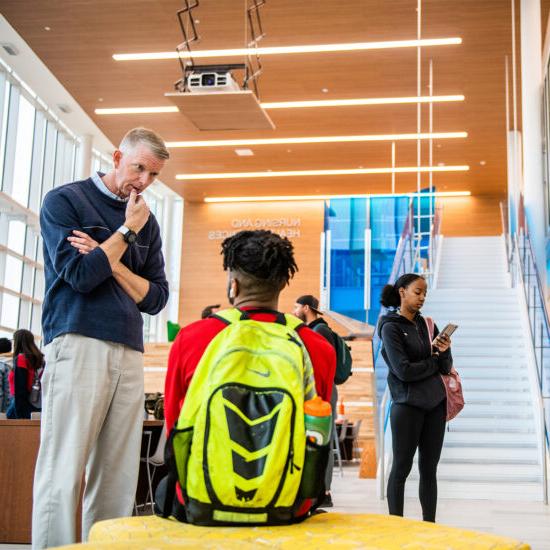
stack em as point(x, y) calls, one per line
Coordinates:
point(81, 294)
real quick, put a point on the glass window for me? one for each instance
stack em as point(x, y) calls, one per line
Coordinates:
point(14, 273)
point(49, 157)
point(23, 152)
point(10, 311)
point(5, 100)
point(16, 236)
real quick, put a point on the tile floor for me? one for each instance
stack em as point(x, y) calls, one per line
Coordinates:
point(526, 521)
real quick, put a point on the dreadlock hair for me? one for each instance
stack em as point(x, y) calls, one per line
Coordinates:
point(390, 296)
point(263, 259)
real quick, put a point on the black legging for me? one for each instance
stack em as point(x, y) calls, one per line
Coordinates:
point(414, 428)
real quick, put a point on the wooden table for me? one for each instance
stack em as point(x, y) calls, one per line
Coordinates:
point(19, 442)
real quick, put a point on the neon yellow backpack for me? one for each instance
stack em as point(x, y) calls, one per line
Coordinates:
point(239, 443)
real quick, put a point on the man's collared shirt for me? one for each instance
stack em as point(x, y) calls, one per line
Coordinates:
point(96, 178)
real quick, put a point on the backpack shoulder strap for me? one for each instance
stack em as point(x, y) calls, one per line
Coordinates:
point(430, 326)
point(227, 316)
point(293, 322)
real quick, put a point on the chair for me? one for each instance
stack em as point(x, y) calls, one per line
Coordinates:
point(152, 462)
point(36, 416)
point(336, 449)
point(341, 436)
point(353, 437)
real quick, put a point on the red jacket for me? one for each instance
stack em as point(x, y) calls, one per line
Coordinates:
point(193, 340)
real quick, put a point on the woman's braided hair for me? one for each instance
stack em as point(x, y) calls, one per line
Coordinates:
point(261, 254)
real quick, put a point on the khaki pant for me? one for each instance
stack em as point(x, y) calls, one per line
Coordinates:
point(92, 418)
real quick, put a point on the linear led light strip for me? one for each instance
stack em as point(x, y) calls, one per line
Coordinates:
point(296, 104)
point(314, 139)
point(328, 197)
point(334, 172)
point(360, 101)
point(279, 50)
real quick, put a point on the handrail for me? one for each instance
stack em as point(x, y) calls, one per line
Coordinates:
point(523, 258)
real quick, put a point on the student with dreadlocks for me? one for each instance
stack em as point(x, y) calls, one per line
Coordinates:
point(259, 264)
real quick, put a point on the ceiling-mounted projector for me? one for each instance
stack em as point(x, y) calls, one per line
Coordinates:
point(211, 82)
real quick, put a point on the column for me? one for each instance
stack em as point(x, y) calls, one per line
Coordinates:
point(531, 114)
point(84, 169)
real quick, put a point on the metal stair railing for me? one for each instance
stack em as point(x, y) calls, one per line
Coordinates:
point(525, 274)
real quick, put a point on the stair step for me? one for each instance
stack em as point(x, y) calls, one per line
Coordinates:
point(495, 454)
point(486, 472)
point(476, 384)
point(517, 492)
point(488, 361)
point(474, 410)
point(490, 439)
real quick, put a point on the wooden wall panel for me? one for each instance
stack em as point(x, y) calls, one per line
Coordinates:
point(203, 280)
point(471, 216)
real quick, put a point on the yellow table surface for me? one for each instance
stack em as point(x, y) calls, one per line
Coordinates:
point(331, 530)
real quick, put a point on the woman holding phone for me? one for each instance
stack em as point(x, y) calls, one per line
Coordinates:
point(418, 411)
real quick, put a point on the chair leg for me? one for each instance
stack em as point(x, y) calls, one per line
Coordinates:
point(150, 483)
point(336, 449)
point(151, 489)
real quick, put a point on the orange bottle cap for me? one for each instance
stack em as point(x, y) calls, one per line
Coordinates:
point(317, 407)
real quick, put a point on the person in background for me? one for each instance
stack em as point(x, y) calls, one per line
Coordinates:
point(104, 268)
point(27, 360)
point(209, 310)
point(419, 408)
point(5, 348)
point(306, 309)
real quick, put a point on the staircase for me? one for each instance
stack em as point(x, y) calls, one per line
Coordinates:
point(491, 448)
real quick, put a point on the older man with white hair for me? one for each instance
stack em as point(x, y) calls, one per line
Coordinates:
point(103, 267)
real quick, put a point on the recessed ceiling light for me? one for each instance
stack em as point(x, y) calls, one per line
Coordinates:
point(280, 50)
point(100, 99)
point(359, 101)
point(137, 110)
point(10, 48)
point(441, 164)
point(324, 90)
point(298, 104)
point(315, 139)
point(482, 162)
point(47, 28)
point(244, 152)
point(327, 197)
point(64, 108)
point(333, 172)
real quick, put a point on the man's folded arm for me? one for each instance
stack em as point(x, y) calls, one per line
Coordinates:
point(83, 272)
point(149, 287)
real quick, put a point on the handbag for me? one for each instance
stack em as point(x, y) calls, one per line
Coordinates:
point(451, 381)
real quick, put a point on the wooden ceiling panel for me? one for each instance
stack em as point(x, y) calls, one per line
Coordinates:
point(84, 35)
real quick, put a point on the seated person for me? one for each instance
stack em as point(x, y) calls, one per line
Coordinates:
point(234, 395)
point(5, 348)
point(28, 363)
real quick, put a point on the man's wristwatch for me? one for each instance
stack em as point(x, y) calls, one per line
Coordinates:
point(128, 235)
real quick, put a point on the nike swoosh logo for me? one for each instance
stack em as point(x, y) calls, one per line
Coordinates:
point(260, 373)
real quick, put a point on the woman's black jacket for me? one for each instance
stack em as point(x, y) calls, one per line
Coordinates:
point(413, 371)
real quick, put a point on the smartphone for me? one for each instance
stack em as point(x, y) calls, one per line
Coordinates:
point(448, 329)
